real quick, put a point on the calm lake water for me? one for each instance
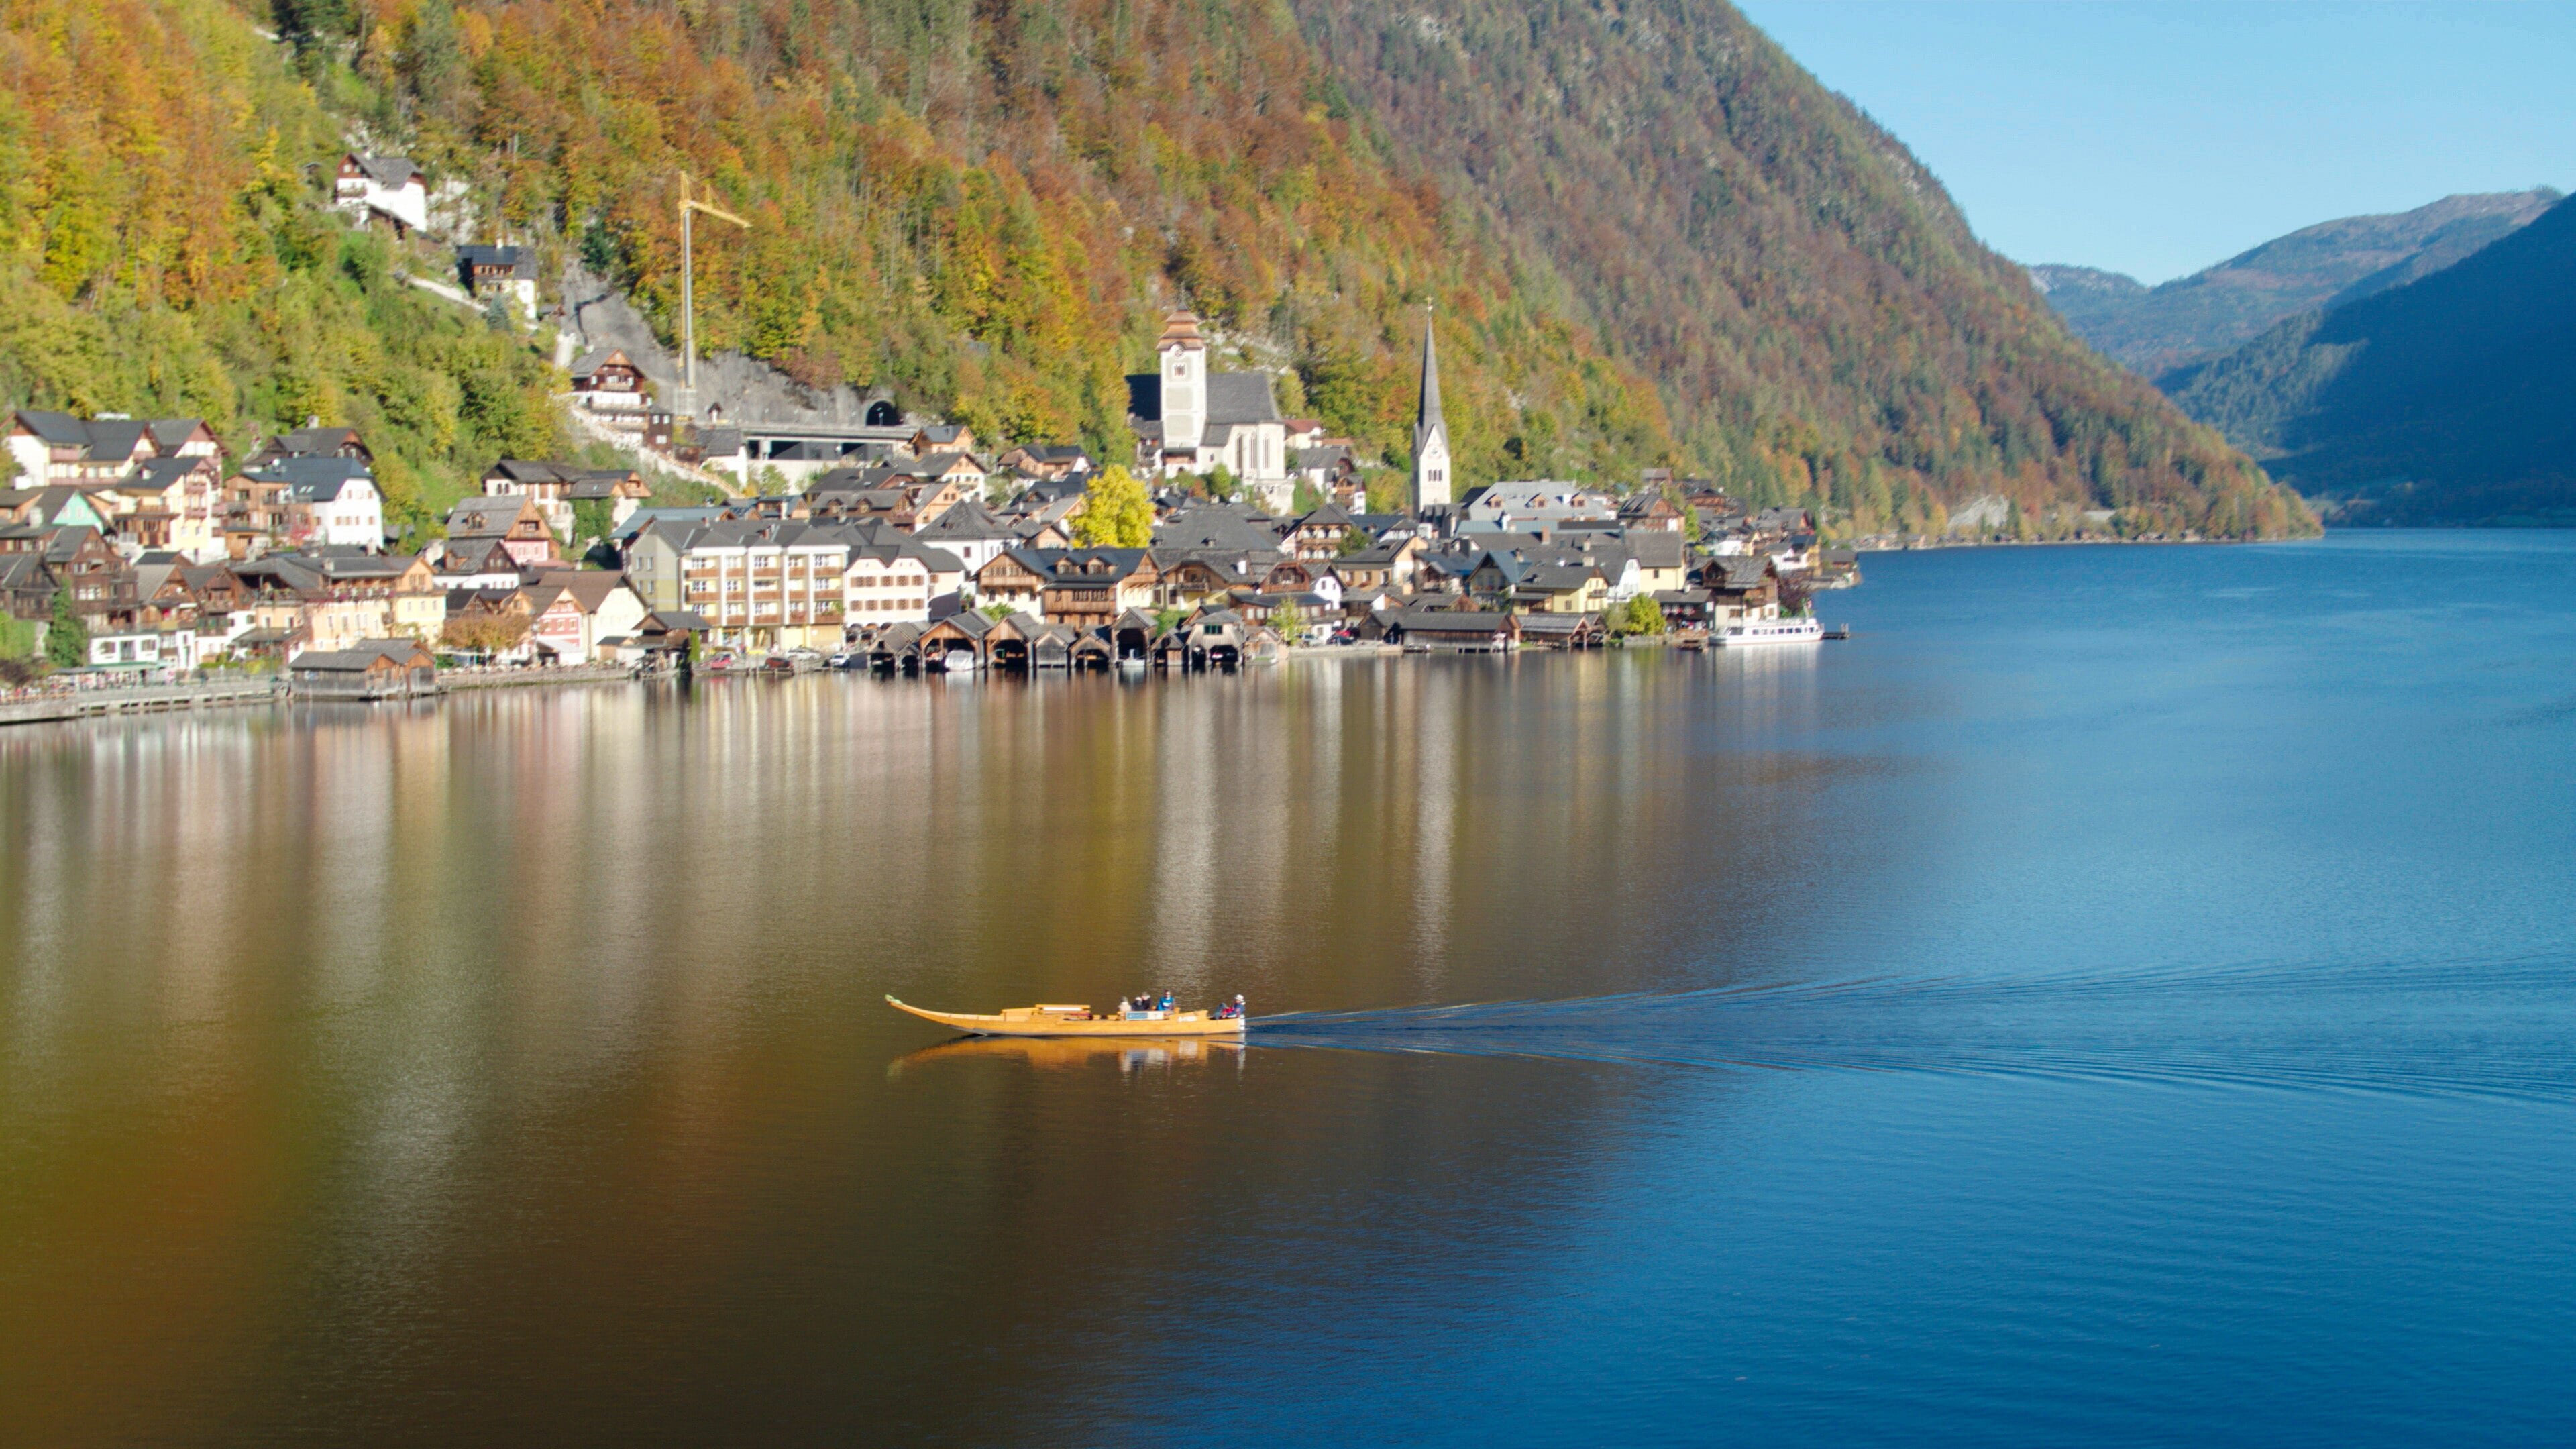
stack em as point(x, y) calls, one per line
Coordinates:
point(2123, 996)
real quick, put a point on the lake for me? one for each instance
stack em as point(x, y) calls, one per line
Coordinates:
point(2124, 995)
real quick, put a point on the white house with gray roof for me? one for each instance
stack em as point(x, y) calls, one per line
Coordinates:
point(390, 187)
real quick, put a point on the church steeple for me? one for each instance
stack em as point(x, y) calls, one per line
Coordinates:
point(1431, 486)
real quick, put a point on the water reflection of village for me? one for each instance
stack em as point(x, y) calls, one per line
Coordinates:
point(506, 1009)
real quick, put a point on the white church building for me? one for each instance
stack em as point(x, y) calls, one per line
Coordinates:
point(1188, 419)
point(1432, 485)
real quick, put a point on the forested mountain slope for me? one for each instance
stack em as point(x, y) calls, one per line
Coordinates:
point(2217, 309)
point(2442, 401)
point(987, 208)
point(1817, 314)
point(162, 251)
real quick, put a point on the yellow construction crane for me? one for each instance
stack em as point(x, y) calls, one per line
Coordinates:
point(688, 293)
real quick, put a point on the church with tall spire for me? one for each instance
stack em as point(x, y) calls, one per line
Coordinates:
point(1431, 467)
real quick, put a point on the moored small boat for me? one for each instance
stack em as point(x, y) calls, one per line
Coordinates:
point(1062, 1020)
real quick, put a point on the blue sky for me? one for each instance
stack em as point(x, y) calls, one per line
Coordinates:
point(2155, 139)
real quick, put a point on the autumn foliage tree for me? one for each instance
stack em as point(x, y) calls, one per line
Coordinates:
point(1116, 512)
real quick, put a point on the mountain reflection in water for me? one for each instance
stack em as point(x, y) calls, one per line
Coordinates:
point(2120, 996)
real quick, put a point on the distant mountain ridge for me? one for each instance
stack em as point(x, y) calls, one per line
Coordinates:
point(2158, 329)
point(2442, 401)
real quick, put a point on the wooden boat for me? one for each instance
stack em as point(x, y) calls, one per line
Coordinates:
point(1059, 1020)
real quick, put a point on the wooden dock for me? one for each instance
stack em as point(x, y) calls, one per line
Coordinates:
point(142, 699)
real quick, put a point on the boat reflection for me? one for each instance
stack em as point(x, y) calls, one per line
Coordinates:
point(1130, 1054)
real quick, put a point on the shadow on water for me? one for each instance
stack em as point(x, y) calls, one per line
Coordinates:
point(2423, 1027)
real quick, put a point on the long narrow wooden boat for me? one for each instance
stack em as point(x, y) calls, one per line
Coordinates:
point(1060, 1020)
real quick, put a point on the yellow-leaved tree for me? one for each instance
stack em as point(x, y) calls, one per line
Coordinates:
point(1116, 512)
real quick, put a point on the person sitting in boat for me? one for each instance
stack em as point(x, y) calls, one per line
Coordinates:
point(1167, 1001)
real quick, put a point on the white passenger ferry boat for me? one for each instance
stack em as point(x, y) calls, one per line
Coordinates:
point(1769, 631)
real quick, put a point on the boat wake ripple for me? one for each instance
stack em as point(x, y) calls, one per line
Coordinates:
point(2441, 1027)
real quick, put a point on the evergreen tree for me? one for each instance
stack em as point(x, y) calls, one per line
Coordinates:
point(67, 641)
point(593, 519)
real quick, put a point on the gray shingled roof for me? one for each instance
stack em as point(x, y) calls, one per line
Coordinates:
point(362, 656)
point(1232, 398)
point(60, 429)
point(389, 171)
point(1739, 572)
point(967, 522)
point(1218, 528)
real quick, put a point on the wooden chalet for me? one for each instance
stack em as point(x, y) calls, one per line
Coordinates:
point(1651, 511)
point(487, 271)
point(607, 380)
point(1194, 579)
point(310, 441)
point(1739, 585)
point(1379, 566)
point(1046, 462)
point(1683, 608)
point(513, 518)
point(1321, 535)
point(1292, 576)
point(932, 438)
point(1016, 577)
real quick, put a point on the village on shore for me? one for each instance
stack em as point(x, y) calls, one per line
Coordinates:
point(135, 549)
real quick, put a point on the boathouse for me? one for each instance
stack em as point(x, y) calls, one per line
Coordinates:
point(371, 669)
point(1453, 631)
